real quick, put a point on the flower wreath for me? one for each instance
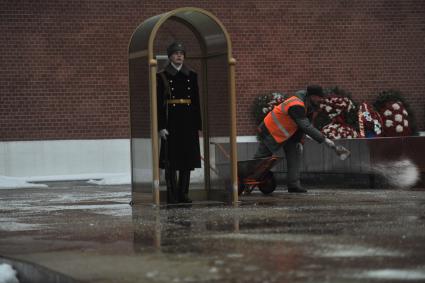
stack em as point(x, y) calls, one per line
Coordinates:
point(264, 104)
point(394, 111)
point(335, 117)
point(370, 122)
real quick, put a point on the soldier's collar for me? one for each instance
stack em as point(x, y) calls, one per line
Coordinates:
point(172, 71)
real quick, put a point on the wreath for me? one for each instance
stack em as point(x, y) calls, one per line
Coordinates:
point(336, 116)
point(370, 122)
point(397, 118)
point(264, 104)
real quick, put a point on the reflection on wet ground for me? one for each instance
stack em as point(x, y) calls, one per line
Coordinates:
point(93, 235)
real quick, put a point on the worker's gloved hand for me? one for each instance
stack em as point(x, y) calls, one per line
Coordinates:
point(163, 134)
point(329, 143)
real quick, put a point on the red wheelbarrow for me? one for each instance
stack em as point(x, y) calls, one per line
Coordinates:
point(256, 173)
point(252, 173)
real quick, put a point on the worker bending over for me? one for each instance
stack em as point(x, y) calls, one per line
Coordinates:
point(285, 127)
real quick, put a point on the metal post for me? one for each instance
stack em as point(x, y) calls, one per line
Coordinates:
point(154, 131)
point(233, 149)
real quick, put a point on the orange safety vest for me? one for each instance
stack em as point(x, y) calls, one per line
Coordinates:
point(280, 125)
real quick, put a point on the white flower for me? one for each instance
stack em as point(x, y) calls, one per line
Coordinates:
point(396, 106)
point(399, 129)
point(406, 123)
point(389, 123)
point(388, 113)
point(265, 110)
point(398, 117)
point(328, 108)
point(377, 128)
point(405, 112)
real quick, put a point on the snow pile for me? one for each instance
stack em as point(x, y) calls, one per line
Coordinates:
point(400, 174)
point(17, 182)
point(94, 178)
point(112, 179)
point(7, 274)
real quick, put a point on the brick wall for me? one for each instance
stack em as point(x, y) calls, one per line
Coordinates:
point(64, 67)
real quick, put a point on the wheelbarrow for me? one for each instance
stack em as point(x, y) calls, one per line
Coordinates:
point(252, 173)
point(256, 173)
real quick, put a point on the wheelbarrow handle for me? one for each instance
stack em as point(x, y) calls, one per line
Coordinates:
point(221, 149)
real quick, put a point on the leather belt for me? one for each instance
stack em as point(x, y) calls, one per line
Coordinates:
point(179, 101)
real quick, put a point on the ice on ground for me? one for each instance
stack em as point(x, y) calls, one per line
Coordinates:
point(400, 174)
point(7, 274)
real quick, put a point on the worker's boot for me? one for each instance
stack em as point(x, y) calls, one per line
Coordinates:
point(184, 181)
point(293, 152)
point(171, 180)
point(296, 189)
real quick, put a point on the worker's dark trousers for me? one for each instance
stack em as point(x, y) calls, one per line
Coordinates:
point(293, 154)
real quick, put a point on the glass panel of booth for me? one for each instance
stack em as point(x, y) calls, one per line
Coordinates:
point(141, 151)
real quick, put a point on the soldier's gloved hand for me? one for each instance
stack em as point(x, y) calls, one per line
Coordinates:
point(329, 143)
point(163, 134)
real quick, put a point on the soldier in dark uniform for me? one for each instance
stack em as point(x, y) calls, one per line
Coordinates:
point(179, 120)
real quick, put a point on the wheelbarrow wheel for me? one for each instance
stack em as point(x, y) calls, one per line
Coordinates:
point(268, 185)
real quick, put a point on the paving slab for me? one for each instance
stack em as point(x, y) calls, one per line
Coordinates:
point(92, 234)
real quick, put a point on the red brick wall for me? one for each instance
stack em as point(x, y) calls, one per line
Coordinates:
point(64, 67)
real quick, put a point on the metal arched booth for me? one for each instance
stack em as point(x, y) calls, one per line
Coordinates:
point(208, 52)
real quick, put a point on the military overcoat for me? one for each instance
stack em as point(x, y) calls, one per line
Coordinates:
point(179, 113)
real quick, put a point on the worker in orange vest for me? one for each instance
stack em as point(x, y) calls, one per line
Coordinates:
point(285, 127)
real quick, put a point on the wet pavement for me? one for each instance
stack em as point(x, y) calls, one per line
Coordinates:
point(91, 234)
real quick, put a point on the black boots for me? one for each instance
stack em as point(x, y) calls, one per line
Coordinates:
point(180, 193)
point(171, 180)
point(296, 189)
point(184, 181)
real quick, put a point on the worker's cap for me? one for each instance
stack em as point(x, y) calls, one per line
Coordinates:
point(315, 90)
point(174, 47)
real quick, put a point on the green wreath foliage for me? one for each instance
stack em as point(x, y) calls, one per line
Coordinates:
point(263, 102)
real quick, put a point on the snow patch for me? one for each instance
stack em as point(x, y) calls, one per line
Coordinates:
point(393, 274)
point(355, 251)
point(7, 182)
point(17, 182)
point(118, 179)
point(7, 274)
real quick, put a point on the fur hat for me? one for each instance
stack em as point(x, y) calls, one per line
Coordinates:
point(174, 47)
